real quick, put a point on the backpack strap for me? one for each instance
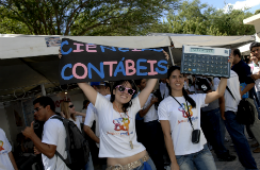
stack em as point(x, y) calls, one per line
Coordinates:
point(230, 92)
point(56, 152)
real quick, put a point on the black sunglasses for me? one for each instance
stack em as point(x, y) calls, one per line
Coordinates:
point(71, 106)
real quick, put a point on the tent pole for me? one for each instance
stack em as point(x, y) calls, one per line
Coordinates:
point(171, 56)
point(43, 90)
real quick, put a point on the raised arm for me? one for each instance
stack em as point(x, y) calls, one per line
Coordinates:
point(89, 92)
point(169, 144)
point(210, 97)
point(143, 96)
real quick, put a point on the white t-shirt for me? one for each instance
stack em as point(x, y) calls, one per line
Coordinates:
point(54, 134)
point(152, 112)
point(92, 116)
point(114, 138)
point(234, 86)
point(164, 90)
point(78, 121)
point(181, 129)
point(5, 148)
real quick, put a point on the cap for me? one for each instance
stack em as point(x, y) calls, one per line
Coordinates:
point(97, 83)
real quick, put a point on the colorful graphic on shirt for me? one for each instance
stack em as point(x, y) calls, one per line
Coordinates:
point(1, 145)
point(184, 109)
point(121, 124)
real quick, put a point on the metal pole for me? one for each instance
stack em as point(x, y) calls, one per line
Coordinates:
point(43, 90)
point(171, 56)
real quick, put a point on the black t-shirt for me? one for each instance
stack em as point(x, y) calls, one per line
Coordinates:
point(243, 72)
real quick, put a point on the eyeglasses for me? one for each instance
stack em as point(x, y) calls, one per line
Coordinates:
point(71, 106)
point(37, 109)
point(122, 88)
point(256, 50)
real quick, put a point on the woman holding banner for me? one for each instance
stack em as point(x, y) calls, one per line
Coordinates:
point(118, 139)
point(179, 115)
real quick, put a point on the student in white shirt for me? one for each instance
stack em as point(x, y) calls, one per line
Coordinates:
point(118, 141)
point(163, 88)
point(174, 113)
point(235, 129)
point(69, 112)
point(91, 115)
point(54, 134)
point(7, 161)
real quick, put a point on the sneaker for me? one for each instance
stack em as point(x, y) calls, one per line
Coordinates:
point(226, 157)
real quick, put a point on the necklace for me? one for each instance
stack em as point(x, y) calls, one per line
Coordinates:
point(130, 141)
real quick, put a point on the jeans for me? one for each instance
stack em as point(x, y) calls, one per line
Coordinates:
point(154, 142)
point(150, 162)
point(236, 132)
point(89, 165)
point(214, 130)
point(202, 160)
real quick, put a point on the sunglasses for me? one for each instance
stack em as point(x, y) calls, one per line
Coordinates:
point(37, 109)
point(122, 88)
point(71, 106)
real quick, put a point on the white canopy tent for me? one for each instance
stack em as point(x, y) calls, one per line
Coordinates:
point(25, 60)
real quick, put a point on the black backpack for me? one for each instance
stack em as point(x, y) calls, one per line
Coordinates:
point(245, 112)
point(77, 148)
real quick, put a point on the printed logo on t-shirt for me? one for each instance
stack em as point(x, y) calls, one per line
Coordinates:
point(121, 126)
point(1, 146)
point(184, 109)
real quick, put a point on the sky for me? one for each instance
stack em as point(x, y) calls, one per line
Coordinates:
point(220, 4)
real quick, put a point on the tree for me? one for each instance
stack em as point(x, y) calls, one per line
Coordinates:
point(82, 17)
point(202, 19)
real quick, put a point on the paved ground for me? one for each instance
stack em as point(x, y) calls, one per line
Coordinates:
point(235, 165)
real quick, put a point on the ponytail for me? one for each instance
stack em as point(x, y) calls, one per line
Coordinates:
point(188, 98)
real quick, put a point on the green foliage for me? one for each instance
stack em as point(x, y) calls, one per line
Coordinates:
point(80, 17)
point(202, 19)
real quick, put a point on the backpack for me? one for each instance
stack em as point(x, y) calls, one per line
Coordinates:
point(77, 148)
point(245, 112)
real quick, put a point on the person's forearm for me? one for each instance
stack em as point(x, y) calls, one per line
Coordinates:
point(222, 106)
point(170, 149)
point(10, 154)
point(89, 92)
point(247, 88)
point(150, 85)
point(41, 147)
point(222, 87)
point(143, 112)
point(80, 114)
point(91, 134)
point(255, 76)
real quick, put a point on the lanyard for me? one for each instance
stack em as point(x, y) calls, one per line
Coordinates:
point(188, 115)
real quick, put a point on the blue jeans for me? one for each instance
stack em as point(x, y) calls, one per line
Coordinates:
point(150, 162)
point(236, 132)
point(214, 130)
point(89, 165)
point(202, 160)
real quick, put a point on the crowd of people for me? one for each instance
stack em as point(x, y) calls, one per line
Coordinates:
point(129, 125)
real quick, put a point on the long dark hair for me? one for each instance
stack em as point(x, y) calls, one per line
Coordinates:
point(185, 94)
point(121, 82)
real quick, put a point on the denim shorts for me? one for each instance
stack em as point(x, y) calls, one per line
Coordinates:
point(150, 162)
point(202, 160)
